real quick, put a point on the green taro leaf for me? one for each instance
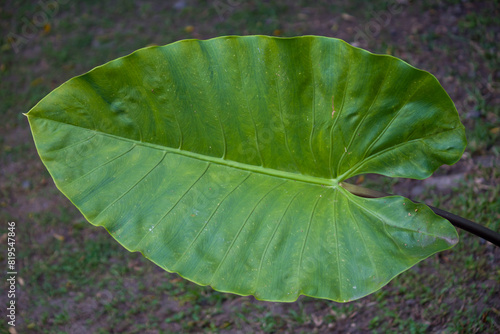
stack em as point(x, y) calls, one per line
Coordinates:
point(221, 160)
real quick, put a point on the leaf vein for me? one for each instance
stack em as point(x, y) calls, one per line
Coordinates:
point(130, 189)
point(363, 238)
point(272, 237)
point(280, 108)
point(257, 144)
point(351, 172)
point(74, 144)
point(169, 210)
point(218, 161)
point(337, 241)
point(353, 135)
point(305, 239)
point(384, 223)
point(102, 165)
point(313, 110)
point(338, 114)
point(396, 114)
point(208, 220)
point(242, 226)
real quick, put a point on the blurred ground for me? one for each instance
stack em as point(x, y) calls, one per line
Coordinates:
point(73, 278)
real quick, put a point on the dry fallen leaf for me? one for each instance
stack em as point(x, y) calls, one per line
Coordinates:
point(347, 17)
point(318, 320)
point(36, 82)
point(47, 28)
point(495, 131)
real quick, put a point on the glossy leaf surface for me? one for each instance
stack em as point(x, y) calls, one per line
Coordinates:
point(221, 160)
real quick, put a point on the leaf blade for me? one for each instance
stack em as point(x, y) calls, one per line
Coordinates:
point(175, 167)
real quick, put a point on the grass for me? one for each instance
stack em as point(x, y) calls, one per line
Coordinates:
point(76, 278)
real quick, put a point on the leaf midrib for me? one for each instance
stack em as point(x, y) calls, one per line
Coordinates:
point(334, 183)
